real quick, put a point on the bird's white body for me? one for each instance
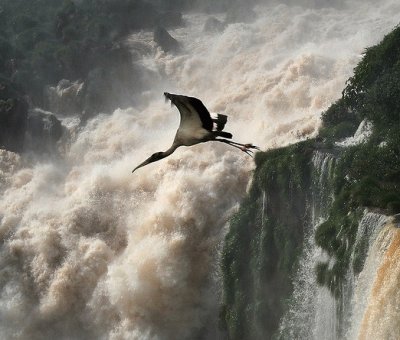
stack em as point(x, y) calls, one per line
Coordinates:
point(191, 135)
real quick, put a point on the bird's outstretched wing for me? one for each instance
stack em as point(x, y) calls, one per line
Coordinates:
point(192, 110)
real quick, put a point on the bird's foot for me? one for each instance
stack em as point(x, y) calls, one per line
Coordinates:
point(248, 149)
point(251, 146)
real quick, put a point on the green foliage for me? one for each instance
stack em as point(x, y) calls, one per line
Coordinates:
point(377, 60)
point(261, 249)
point(338, 113)
point(339, 121)
point(381, 104)
point(366, 175)
point(339, 131)
point(336, 236)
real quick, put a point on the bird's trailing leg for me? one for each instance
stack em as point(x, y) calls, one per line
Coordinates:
point(247, 148)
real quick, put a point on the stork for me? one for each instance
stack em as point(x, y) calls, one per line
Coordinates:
point(196, 126)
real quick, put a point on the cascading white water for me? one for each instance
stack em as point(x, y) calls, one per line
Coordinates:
point(381, 276)
point(312, 311)
point(356, 287)
point(360, 285)
point(89, 250)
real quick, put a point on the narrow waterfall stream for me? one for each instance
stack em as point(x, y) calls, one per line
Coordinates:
point(312, 311)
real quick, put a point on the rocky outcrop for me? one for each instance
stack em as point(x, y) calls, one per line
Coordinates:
point(43, 131)
point(22, 129)
point(165, 40)
point(112, 85)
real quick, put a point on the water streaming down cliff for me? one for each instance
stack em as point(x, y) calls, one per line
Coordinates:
point(381, 233)
point(90, 251)
point(367, 307)
point(381, 317)
point(312, 310)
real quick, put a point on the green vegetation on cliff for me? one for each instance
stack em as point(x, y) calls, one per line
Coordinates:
point(368, 174)
point(262, 247)
point(266, 235)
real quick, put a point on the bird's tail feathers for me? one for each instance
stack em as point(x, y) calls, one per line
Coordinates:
point(220, 121)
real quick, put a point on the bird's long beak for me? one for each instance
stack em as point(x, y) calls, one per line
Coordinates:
point(147, 161)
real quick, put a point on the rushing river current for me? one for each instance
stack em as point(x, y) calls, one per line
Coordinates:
point(91, 251)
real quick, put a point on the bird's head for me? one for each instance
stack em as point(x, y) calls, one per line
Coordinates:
point(153, 158)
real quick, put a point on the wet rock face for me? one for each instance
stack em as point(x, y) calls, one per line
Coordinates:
point(165, 40)
point(42, 132)
point(13, 115)
point(112, 85)
point(66, 98)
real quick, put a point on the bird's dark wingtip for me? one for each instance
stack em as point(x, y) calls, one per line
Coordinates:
point(167, 96)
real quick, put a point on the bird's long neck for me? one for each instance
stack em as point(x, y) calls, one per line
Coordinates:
point(169, 151)
point(157, 156)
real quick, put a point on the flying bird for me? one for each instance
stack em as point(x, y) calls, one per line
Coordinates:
point(196, 126)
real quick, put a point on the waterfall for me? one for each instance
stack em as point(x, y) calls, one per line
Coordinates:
point(371, 309)
point(381, 319)
point(90, 251)
point(312, 311)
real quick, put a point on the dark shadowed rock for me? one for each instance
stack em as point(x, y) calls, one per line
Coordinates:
point(43, 131)
point(396, 220)
point(213, 25)
point(165, 40)
point(112, 85)
point(13, 115)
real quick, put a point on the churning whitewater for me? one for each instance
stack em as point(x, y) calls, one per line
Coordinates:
point(90, 251)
